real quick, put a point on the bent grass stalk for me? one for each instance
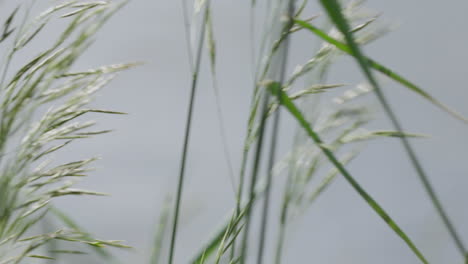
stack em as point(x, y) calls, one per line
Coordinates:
point(285, 101)
point(334, 11)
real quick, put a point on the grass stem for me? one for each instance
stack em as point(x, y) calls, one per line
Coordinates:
point(188, 126)
point(274, 137)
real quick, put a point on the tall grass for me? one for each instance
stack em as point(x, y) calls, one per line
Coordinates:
point(42, 110)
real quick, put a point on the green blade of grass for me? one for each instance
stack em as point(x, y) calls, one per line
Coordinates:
point(384, 70)
point(283, 98)
point(209, 248)
point(333, 9)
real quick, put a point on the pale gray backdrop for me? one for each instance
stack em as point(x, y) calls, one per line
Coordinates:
point(140, 160)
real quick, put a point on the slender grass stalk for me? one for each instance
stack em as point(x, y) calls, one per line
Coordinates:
point(240, 187)
point(283, 217)
point(215, 85)
point(254, 174)
point(187, 34)
point(252, 131)
point(188, 126)
point(263, 110)
point(267, 198)
point(274, 137)
point(253, 106)
point(252, 54)
point(334, 12)
point(259, 74)
point(275, 88)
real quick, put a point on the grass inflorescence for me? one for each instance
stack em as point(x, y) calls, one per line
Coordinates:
point(30, 180)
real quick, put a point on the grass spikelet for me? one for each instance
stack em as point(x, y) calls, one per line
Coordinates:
point(30, 180)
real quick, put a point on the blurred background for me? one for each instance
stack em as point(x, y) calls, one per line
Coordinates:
point(140, 160)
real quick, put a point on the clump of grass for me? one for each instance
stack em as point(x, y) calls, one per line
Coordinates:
point(29, 178)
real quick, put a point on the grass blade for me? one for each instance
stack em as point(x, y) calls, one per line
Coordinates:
point(283, 98)
point(334, 11)
point(210, 248)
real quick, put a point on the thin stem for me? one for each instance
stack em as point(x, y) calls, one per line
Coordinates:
point(187, 137)
point(222, 131)
point(187, 34)
point(282, 229)
point(219, 110)
point(256, 95)
point(253, 179)
point(266, 201)
point(285, 207)
point(240, 188)
point(274, 138)
point(256, 61)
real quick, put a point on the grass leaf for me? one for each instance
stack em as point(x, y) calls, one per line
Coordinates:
point(334, 12)
point(283, 98)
